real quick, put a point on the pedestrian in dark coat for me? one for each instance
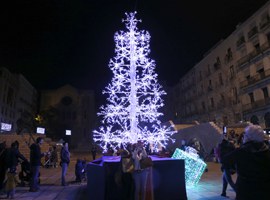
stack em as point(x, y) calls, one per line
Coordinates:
point(35, 162)
point(3, 164)
point(65, 159)
point(14, 156)
point(252, 162)
point(226, 147)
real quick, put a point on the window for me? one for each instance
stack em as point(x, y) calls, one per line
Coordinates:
point(257, 47)
point(234, 95)
point(265, 92)
point(231, 71)
point(251, 96)
point(241, 40)
point(222, 98)
point(208, 69)
point(220, 78)
point(229, 54)
point(212, 102)
point(203, 105)
point(210, 85)
point(66, 100)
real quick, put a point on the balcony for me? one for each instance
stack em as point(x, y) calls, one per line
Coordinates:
point(254, 79)
point(256, 105)
point(217, 65)
point(240, 41)
point(265, 22)
point(243, 60)
point(228, 58)
point(265, 46)
point(252, 32)
point(251, 55)
point(221, 104)
point(209, 88)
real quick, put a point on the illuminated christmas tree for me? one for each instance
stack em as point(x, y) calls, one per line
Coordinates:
point(134, 94)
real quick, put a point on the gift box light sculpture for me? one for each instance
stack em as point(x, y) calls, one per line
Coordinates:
point(134, 94)
point(194, 166)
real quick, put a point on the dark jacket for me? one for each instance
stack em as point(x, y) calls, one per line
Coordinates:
point(35, 155)
point(12, 157)
point(225, 147)
point(252, 162)
point(65, 156)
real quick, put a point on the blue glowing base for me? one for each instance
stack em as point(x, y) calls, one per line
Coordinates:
point(194, 167)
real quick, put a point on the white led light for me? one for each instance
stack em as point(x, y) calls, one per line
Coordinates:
point(134, 94)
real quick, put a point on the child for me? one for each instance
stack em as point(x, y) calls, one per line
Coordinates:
point(78, 170)
point(12, 180)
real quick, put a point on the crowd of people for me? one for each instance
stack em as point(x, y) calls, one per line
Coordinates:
point(135, 165)
point(250, 159)
point(11, 157)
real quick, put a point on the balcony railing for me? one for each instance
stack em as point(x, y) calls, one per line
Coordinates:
point(243, 60)
point(253, 32)
point(265, 22)
point(254, 79)
point(256, 104)
point(217, 65)
point(265, 46)
point(240, 41)
point(251, 55)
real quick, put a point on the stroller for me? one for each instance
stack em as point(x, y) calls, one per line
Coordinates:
point(48, 161)
point(25, 173)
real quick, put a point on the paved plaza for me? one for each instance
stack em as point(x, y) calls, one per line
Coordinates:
point(209, 188)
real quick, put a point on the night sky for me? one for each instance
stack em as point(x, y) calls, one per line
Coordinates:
point(55, 42)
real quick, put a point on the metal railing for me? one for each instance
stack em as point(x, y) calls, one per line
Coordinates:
point(256, 104)
point(256, 78)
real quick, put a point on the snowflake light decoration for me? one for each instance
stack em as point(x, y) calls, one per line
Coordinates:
point(134, 94)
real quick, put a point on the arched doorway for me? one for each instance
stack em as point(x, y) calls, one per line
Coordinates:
point(267, 119)
point(254, 120)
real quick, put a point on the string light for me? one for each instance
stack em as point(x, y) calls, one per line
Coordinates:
point(194, 166)
point(134, 94)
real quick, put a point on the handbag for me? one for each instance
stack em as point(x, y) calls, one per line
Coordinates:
point(146, 162)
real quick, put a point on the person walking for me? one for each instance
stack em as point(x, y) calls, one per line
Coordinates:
point(252, 162)
point(226, 147)
point(65, 159)
point(35, 162)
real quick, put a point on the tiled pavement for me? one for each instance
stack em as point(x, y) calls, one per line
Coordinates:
point(209, 187)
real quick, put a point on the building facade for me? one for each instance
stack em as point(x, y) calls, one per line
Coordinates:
point(73, 110)
point(232, 82)
point(17, 97)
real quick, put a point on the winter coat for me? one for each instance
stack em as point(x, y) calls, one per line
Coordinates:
point(12, 157)
point(252, 162)
point(35, 155)
point(65, 155)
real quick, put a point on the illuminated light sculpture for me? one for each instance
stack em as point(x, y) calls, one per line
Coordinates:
point(134, 94)
point(194, 166)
